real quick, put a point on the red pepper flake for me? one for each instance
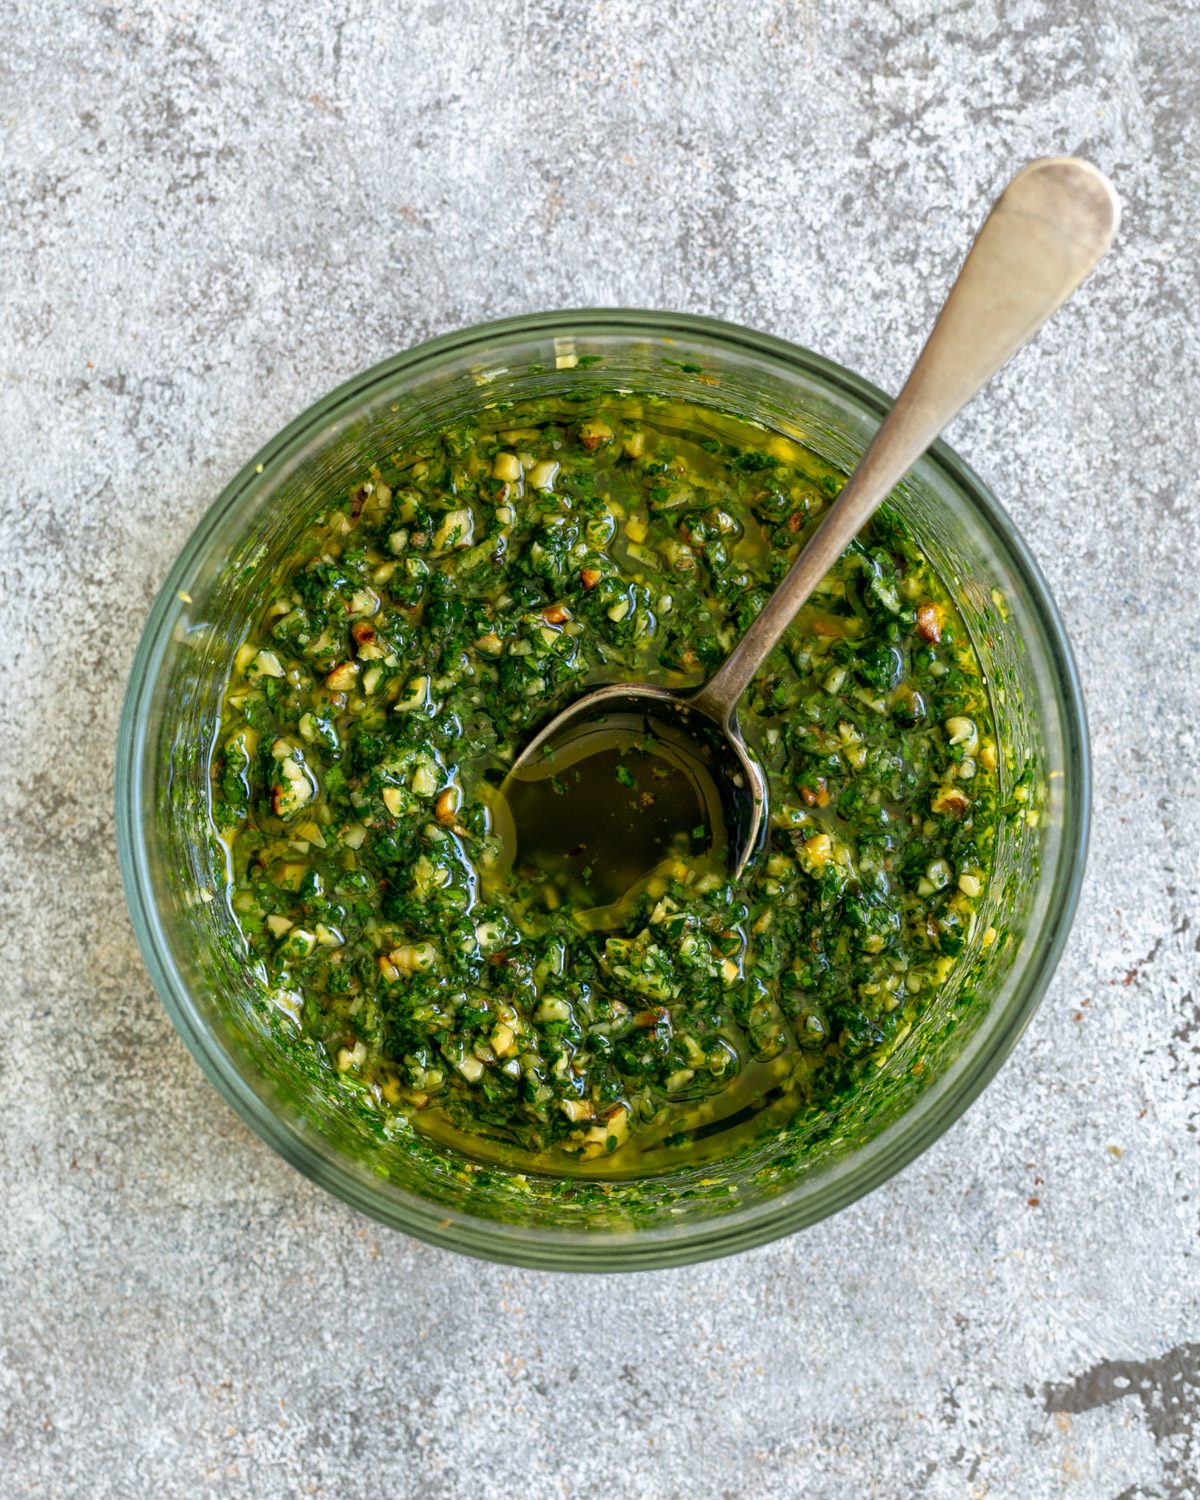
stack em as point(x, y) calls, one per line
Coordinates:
point(1033, 1202)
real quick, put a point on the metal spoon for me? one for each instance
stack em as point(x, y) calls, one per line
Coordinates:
point(1045, 233)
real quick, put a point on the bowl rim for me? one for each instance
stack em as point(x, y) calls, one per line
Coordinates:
point(898, 1143)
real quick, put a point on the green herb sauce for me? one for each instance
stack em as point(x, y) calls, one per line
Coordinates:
point(467, 588)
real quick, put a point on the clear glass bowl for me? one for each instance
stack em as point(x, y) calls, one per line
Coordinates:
point(174, 872)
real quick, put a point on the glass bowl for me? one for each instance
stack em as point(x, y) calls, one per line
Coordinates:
point(174, 870)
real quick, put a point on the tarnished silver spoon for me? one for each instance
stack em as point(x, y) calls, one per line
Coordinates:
point(1044, 234)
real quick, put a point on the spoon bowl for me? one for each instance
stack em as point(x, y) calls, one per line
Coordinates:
point(645, 776)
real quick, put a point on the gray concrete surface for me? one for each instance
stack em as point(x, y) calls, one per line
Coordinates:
point(209, 214)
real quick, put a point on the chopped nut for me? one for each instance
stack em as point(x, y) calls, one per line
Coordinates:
point(556, 614)
point(948, 799)
point(413, 958)
point(504, 1041)
point(343, 677)
point(370, 647)
point(608, 1134)
point(445, 808)
point(697, 1057)
point(553, 1008)
point(938, 874)
point(424, 780)
point(455, 530)
point(576, 1109)
point(815, 796)
point(594, 433)
point(541, 476)
point(589, 578)
point(350, 1057)
point(929, 622)
point(396, 800)
point(267, 664)
point(294, 791)
point(362, 602)
point(506, 466)
point(416, 695)
point(490, 644)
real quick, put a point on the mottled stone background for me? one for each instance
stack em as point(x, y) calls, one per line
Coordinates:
point(212, 212)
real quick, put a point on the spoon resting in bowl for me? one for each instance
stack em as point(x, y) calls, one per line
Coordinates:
point(1042, 238)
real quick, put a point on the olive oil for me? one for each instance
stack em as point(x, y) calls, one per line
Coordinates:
point(607, 808)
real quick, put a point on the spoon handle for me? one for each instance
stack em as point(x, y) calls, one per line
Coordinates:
point(1045, 233)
